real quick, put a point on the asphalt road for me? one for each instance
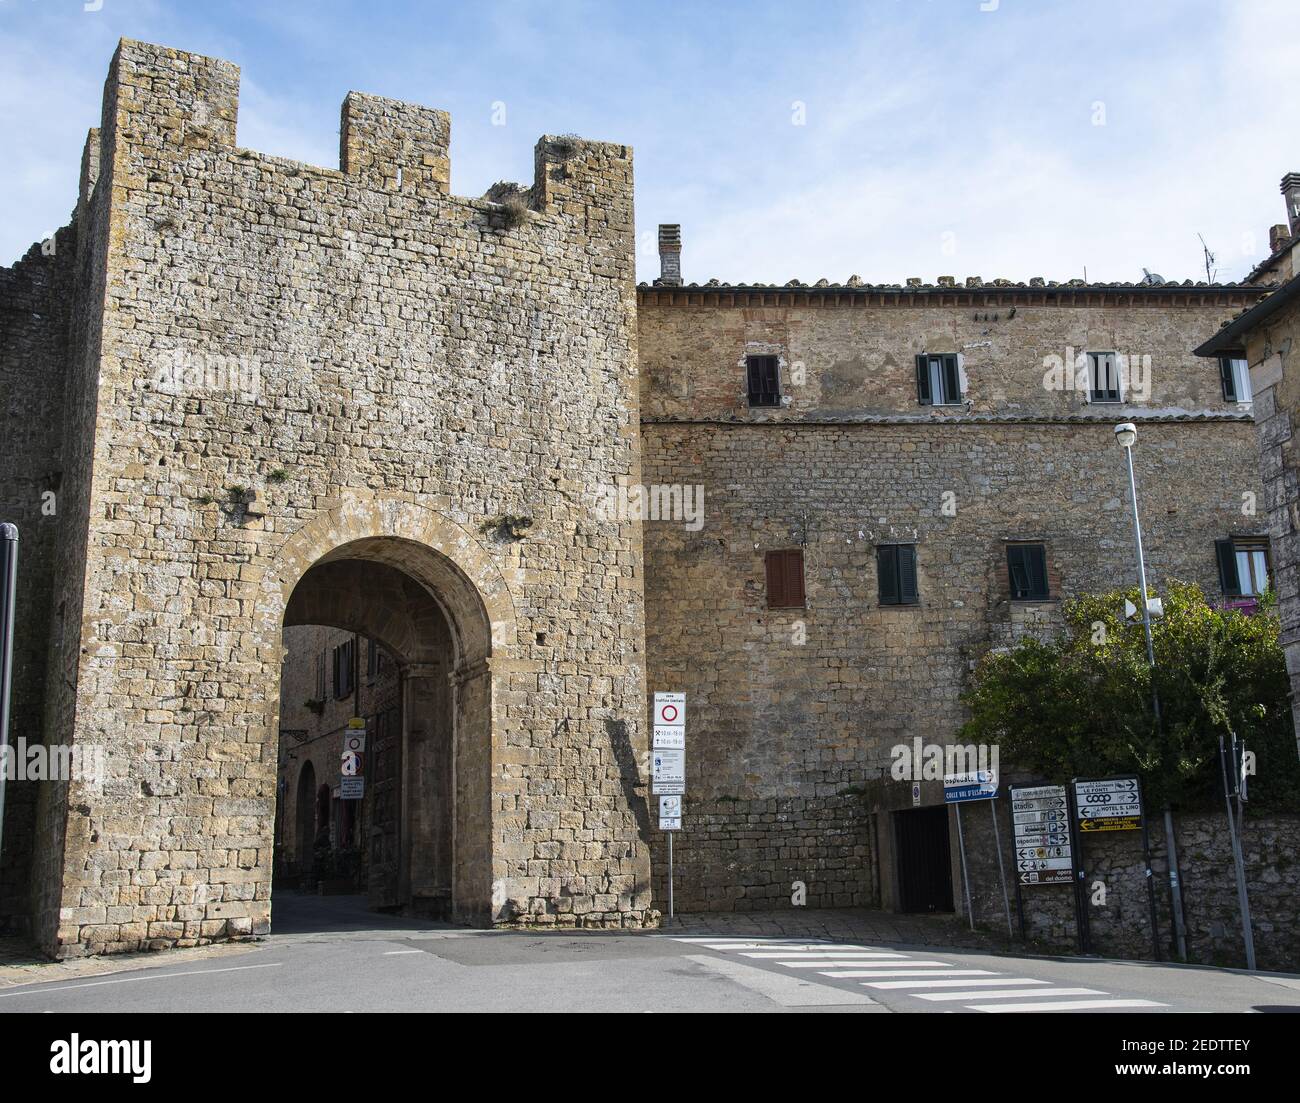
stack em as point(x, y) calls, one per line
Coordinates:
point(338, 958)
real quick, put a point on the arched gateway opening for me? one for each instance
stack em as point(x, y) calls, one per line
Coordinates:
point(386, 637)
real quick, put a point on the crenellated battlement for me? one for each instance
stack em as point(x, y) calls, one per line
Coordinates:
point(165, 104)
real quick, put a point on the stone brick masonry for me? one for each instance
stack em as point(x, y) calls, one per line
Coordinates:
point(417, 367)
point(272, 395)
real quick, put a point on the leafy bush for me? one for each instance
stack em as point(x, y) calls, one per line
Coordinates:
point(1081, 705)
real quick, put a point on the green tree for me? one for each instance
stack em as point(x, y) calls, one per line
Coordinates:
point(1081, 705)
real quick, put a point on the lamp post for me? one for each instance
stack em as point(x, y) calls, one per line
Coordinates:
point(1126, 437)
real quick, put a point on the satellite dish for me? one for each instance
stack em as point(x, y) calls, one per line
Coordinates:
point(1152, 278)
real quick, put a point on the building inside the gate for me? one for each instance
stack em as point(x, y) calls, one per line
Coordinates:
point(380, 635)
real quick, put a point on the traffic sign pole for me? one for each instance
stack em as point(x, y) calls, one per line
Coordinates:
point(965, 877)
point(1243, 897)
point(1002, 871)
point(1081, 930)
point(1151, 878)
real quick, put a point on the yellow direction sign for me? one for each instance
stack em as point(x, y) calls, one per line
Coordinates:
point(1111, 823)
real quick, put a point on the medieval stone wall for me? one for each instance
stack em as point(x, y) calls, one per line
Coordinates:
point(291, 358)
point(36, 295)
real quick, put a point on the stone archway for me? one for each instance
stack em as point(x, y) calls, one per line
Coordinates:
point(385, 570)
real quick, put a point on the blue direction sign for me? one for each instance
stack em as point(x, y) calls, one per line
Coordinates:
point(976, 785)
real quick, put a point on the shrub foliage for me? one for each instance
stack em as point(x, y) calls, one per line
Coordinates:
point(1081, 705)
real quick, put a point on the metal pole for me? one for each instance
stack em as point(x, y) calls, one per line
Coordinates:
point(1243, 900)
point(1151, 885)
point(8, 593)
point(1002, 872)
point(1142, 576)
point(965, 877)
point(1175, 888)
point(1155, 706)
point(670, 878)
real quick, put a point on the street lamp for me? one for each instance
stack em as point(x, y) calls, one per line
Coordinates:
point(1126, 435)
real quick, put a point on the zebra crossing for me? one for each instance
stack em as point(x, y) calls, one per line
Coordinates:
point(921, 977)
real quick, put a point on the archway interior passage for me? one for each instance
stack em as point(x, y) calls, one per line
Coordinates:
point(371, 631)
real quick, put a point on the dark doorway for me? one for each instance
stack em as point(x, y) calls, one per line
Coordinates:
point(924, 860)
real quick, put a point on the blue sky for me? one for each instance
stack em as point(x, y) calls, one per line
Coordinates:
point(937, 138)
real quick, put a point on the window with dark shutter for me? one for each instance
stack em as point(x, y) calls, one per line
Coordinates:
point(785, 579)
point(1228, 581)
point(938, 380)
point(1027, 571)
point(1234, 376)
point(1243, 566)
point(343, 670)
point(764, 380)
point(1227, 379)
point(896, 574)
point(1104, 370)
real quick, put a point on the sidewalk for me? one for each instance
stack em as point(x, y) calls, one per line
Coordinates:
point(21, 964)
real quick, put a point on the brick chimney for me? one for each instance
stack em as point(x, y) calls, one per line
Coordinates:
point(670, 255)
point(1278, 236)
point(1291, 189)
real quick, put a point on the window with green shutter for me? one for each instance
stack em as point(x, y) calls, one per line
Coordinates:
point(896, 574)
point(938, 379)
point(1243, 566)
point(763, 378)
point(1027, 570)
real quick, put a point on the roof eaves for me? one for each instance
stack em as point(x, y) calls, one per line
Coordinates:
point(1231, 338)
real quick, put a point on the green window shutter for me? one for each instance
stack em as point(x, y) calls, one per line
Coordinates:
point(952, 379)
point(1036, 560)
point(887, 573)
point(1017, 571)
point(923, 395)
point(1228, 580)
point(1228, 379)
point(907, 594)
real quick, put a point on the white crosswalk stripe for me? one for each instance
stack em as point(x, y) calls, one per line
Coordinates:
point(898, 973)
point(1065, 1005)
point(1012, 994)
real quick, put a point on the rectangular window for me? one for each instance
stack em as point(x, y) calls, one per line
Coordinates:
point(1103, 375)
point(785, 579)
point(938, 380)
point(1243, 566)
point(896, 574)
point(764, 380)
point(1234, 375)
point(1027, 571)
point(320, 676)
point(372, 658)
point(344, 656)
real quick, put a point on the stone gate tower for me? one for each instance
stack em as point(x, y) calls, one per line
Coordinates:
point(265, 393)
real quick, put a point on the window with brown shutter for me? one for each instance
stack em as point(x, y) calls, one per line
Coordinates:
point(785, 579)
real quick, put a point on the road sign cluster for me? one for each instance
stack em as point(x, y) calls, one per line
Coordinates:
point(668, 751)
point(1112, 804)
point(352, 781)
point(1041, 835)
